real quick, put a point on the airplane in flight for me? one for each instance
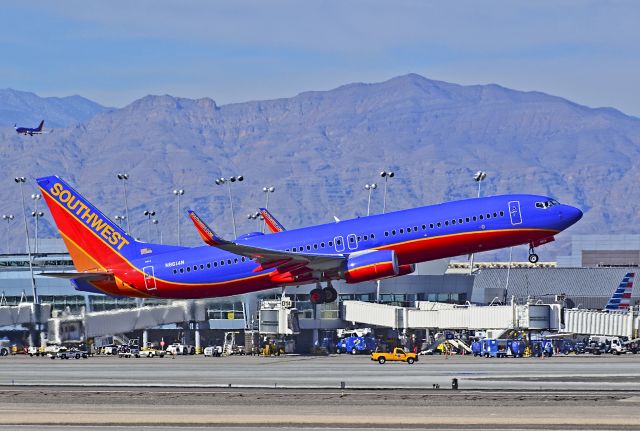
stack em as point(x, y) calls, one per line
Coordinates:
point(621, 298)
point(110, 261)
point(29, 131)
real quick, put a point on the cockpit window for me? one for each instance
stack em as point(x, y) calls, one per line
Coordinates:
point(547, 204)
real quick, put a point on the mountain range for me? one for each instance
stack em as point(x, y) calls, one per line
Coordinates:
point(319, 149)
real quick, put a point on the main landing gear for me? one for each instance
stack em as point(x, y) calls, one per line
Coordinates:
point(533, 257)
point(323, 296)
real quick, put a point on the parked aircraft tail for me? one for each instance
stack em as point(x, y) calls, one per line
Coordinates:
point(621, 298)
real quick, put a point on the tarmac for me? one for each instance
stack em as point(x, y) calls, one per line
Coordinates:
point(336, 392)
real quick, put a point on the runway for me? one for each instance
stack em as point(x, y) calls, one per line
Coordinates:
point(295, 392)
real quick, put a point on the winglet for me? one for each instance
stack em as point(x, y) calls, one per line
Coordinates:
point(205, 231)
point(271, 222)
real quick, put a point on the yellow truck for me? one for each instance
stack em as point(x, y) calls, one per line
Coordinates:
point(397, 355)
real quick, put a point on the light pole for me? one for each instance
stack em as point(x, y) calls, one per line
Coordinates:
point(267, 191)
point(36, 214)
point(120, 219)
point(8, 218)
point(158, 231)
point(370, 187)
point(255, 216)
point(220, 181)
point(124, 178)
point(20, 181)
point(386, 175)
point(178, 193)
point(478, 178)
point(149, 214)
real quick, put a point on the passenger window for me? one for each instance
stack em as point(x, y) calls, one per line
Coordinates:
point(372, 236)
point(359, 238)
point(188, 269)
point(235, 260)
point(431, 225)
point(467, 219)
point(488, 215)
point(351, 239)
point(393, 232)
point(201, 266)
point(474, 218)
point(460, 220)
point(401, 230)
point(181, 270)
point(322, 244)
point(222, 263)
point(386, 233)
point(308, 247)
point(481, 217)
point(315, 246)
point(366, 237)
point(453, 221)
point(415, 228)
point(331, 244)
point(175, 271)
point(209, 265)
point(501, 213)
point(495, 215)
point(339, 242)
point(195, 267)
point(229, 261)
point(439, 224)
point(215, 264)
point(424, 227)
point(244, 258)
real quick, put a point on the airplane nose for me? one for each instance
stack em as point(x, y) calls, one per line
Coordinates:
point(570, 215)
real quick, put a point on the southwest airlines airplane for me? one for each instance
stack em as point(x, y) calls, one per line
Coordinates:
point(111, 262)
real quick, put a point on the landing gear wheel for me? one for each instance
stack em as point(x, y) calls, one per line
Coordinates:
point(316, 296)
point(533, 258)
point(330, 294)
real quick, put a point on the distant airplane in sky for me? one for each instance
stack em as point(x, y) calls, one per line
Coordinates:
point(110, 261)
point(621, 298)
point(28, 131)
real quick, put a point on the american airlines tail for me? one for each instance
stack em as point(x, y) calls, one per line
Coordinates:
point(621, 298)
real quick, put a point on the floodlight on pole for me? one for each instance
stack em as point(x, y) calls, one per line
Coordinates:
point(36, 214)
point(479, 177)
point(221, 181)
point(124, 178)
point(370, 187)
point(178, 193)
point(267, 191)
point(149, 214)
point(158, 231)
point(119, 219)
point(257, 217)
point(386, 175)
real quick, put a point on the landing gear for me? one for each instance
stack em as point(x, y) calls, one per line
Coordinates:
point(323, 296)
point(533, 257)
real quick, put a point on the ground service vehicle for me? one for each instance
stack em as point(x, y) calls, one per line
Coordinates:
point(355, 345)
point(397, 355)
point(64, 353)
point(213, 351)
point(181, 349)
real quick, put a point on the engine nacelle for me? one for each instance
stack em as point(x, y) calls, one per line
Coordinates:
point(409, 268)
point(371, 266)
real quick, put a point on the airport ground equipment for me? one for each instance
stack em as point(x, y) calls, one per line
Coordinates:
point(613, 345)
point(278, 317)
point(65, 353)
point(213, 351)
point(180, 349)
point(356, 341)
point(398, 355)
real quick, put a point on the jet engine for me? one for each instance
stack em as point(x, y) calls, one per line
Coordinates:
point(371, 266)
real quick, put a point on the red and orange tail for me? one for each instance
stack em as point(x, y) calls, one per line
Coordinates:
point(95, 243)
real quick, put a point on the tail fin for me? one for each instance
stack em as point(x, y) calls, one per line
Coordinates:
point(39, 129)
point(208, 235)
point(271, 222)
point(95, 243)
point(621, 298)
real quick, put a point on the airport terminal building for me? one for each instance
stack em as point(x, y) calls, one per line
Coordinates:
point(586, 279)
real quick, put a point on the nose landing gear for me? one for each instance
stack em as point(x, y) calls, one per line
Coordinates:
point(533, 257)
point(323, 296)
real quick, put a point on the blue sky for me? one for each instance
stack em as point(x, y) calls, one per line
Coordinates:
point(232, 51)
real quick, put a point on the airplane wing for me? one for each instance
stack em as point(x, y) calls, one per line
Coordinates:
point(268, 258)
point(93, 276)
point(271, 222)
